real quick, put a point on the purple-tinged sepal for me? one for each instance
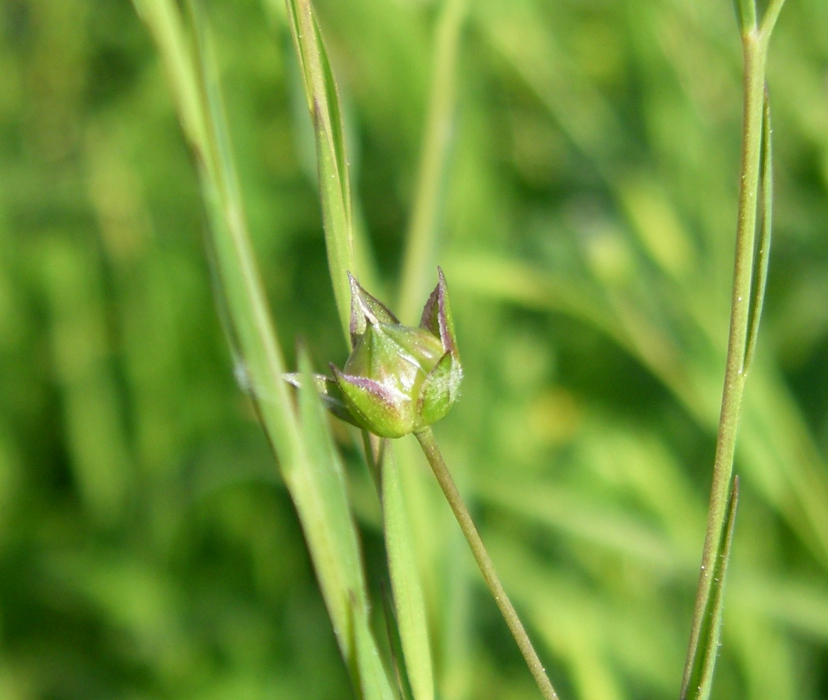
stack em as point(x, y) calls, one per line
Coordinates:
point(398, 379)
point(437, 316)
point(376, 407)
point(366, 309)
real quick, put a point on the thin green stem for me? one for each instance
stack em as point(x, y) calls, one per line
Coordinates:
point(332, 163)
point(771, 15)
point(754, 44)
point(484, 561)
point(746, 14)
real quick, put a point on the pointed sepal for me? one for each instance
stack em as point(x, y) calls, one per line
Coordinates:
point(439, 391)
point(398, 379)
point(437, 316)
point(376, 407)
point(366, 309)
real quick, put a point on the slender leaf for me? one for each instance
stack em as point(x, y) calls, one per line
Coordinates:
point(321, 495)
point(321, 488)
point(197, 96)
point(373, 681)
point(309, 462)
point(760, 278)
point(164, 21)
point(405, 582)
point(698, 673)
point(334, 185)
point(394, 644)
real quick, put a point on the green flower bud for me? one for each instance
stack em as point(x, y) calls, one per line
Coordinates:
point(398, 379)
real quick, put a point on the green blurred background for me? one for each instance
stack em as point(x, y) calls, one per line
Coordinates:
point(147, 547)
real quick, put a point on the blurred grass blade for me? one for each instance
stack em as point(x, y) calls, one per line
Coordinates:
point(373, 680)
point(322, 489)
point(394, 644)
point(309, 463)
point(320, 493)
point(334, 185)
point(164, 21)
point(197, 98)
point(405, 582)
point(418, 260)
point(698, 672)
point(746, 14)
point(324, 105)
point(760, 278)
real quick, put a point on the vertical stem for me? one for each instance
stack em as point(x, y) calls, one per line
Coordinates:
point(484, 561)
point(754, 45)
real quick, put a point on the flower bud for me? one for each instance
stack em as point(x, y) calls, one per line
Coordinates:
point(398, 379)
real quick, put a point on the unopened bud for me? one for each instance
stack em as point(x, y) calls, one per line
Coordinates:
point(398, 379)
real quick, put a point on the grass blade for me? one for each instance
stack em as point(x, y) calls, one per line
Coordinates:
point(321, 489)
point(334, 185)
point(373, 681)
point(164, 21)
point(698, 673)
point(405, 582)
point(760, 277)
point(197, 97)
point(309, 462)
point(392, 630)
point(320, 493)
point(324, 105)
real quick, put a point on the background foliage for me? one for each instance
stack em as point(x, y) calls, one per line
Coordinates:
point(147, 547)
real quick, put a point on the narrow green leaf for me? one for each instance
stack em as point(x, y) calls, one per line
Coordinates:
point(310, 464)
point(164, 21)
point(321, 489)
point(760, 277)
point(746, 15)
point(310, 471)
point(242, 293)
point(405, 582)
point(698, 673)
point(392, 630)
point(373, 680)
point(320, 493)
point(332, 163)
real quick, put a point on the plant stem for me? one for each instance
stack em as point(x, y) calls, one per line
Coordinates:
point(754, 45)
point(484, 561)
point(771, 15)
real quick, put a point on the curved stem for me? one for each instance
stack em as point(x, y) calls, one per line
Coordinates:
point(484, 561)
